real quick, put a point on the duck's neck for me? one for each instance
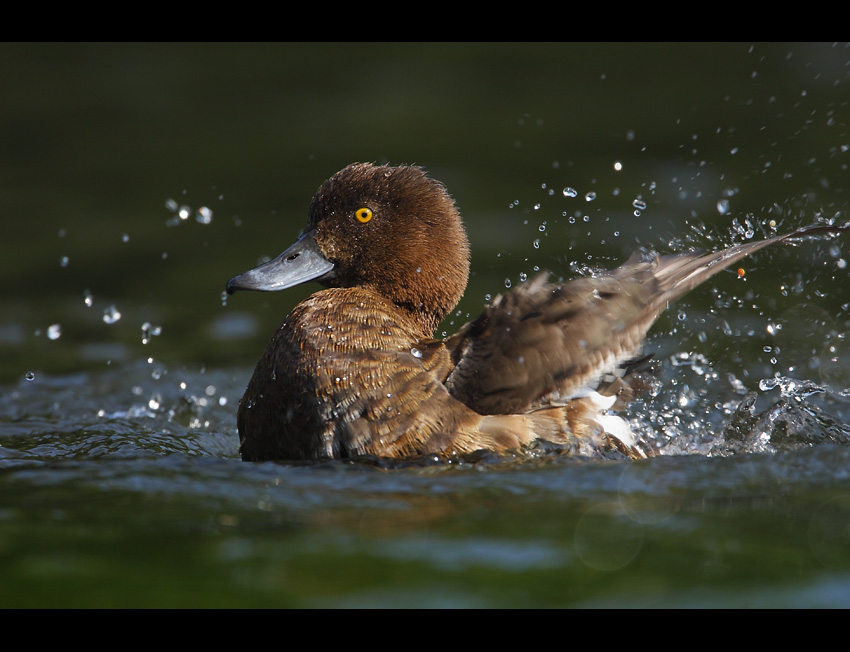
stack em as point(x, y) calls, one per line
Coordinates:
point(431, 294)
point(426, 321)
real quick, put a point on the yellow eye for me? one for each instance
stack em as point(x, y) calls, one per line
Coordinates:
point(363, 215)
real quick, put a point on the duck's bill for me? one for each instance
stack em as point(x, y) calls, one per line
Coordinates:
point(301, 263)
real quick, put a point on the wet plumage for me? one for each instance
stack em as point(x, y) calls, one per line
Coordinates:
point(354, 369)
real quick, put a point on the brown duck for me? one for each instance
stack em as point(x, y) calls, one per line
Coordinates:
point(354, 370)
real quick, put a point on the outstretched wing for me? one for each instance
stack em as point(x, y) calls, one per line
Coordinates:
point(544, 344)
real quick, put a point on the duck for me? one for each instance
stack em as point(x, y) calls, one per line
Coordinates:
point(354, 371)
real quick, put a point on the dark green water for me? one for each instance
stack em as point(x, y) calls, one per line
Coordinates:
point(120, 483)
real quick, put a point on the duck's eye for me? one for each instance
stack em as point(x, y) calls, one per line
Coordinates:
point(363, 215)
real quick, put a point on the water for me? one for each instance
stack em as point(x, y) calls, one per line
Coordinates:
point(151, 507)
point(138, 179)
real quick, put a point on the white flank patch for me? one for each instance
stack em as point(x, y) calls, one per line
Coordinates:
point(613, 425)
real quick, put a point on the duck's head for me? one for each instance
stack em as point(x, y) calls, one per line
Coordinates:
point(393, 230)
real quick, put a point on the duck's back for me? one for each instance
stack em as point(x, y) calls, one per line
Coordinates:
point(347, 373)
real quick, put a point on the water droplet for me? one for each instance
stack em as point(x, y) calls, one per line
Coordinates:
point(149, 331)
point(570, 192)
point(590, 196)
point(111, 314)
point(536, 244)
point(29, 375)
point(184, 212)
point(416, 353)
point(54, 332)
point(125, 238)
point(63, 261)
point(523, 277)
point(542, 227)
point(204, 215)
point(618, 165)
point(171, 205)
point(723, 206)
point(507, 282)
point(639, 204)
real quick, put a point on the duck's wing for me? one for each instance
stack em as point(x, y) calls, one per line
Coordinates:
point(545, 344)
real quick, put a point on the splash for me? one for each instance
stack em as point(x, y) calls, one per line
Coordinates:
point(149, 331)
point(793, 422)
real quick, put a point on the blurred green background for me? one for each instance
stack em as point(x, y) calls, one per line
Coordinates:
point(98, 140)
